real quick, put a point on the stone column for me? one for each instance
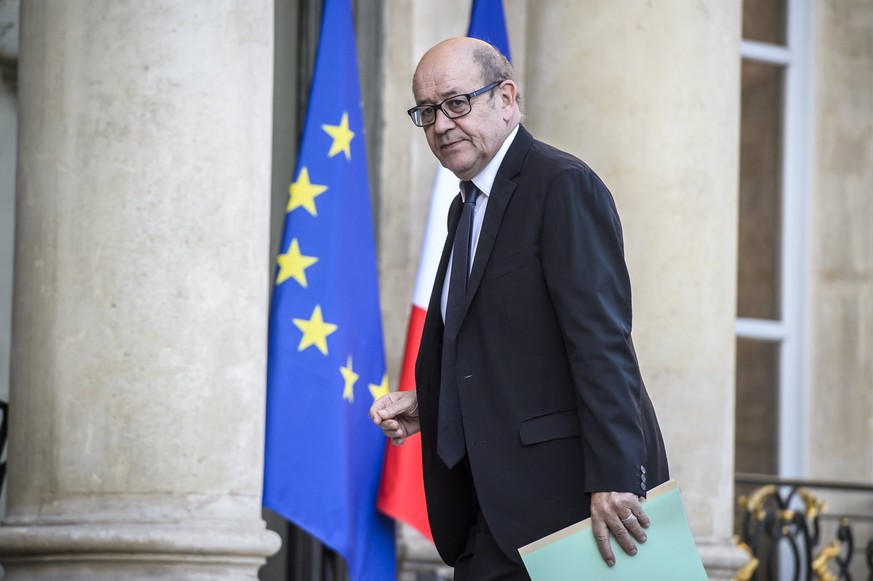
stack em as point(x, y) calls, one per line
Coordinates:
point(648, 94)
point(141, 291)
point(841, 241)
point(840, 326)
point(8, 140)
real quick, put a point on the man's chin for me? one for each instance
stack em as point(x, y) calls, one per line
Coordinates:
point(460, 176)
point(460, 171)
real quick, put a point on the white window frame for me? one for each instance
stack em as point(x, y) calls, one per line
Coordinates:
point(789, 330)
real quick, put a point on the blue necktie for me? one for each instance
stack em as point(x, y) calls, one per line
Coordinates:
point(450, 427)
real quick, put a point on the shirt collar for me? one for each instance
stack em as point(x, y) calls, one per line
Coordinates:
point(484, 180)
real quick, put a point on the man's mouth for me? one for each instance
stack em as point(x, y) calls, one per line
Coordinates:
point(450, 145)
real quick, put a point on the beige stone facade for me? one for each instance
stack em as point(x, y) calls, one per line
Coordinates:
point(121, 242)
point(841, 242)
point(140, 292)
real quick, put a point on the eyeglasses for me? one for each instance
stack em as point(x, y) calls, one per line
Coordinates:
point(453, 107)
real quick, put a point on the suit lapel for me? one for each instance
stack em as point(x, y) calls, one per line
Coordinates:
point(498, 200)
point(434, 307)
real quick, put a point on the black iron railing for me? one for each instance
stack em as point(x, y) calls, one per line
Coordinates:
point(791, 535)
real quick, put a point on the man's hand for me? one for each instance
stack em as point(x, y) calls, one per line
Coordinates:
point(621, 514)
point(397, 415)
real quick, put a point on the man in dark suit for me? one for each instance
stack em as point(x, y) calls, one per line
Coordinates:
point(529, 399)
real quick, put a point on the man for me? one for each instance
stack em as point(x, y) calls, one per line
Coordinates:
point(529, 362)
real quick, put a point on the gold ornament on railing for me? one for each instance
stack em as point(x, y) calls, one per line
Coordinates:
point(746, 572)
point(755, 502)
point(814, 506)
point(820, 563)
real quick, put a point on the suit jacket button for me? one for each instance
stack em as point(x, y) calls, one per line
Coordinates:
point(643, 469)
point(642, 486)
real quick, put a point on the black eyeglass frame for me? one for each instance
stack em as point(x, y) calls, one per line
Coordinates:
point(416, 111)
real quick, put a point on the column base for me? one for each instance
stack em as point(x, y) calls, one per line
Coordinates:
point(100, 552)
point(722, 561)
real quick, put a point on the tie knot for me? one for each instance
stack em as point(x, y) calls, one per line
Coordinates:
point(470, 191)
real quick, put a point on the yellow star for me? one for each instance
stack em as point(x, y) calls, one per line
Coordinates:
point(292, 264)
point(315, 331)
point(342, 137)
point(303, 193)
point(378, 391)
point(350, 377)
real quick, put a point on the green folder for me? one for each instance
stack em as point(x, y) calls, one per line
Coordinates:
point(669, 553)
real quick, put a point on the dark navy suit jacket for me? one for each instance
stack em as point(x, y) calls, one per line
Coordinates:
point(554, 406)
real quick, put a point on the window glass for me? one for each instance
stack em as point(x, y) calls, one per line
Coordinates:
point(765, 20)
point(757, 420)
point(760, 223)
point(756, 440)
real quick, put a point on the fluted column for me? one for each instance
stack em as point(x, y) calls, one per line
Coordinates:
point(141, 291)
point(648, 94)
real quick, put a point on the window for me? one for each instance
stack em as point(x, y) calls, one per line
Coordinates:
point(771, 397)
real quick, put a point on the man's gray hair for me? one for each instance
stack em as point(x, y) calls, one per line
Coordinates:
point(493, 67)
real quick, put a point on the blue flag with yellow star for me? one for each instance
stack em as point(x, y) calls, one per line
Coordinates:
point(326, 363)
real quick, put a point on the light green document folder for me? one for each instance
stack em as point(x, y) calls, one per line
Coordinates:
point(669, 553)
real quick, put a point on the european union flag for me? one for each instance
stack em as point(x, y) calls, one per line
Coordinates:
point(326, 363)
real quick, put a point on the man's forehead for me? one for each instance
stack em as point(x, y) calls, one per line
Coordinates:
point(433, 83)
point(430, 90)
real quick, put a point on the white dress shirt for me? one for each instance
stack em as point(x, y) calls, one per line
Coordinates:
point(484, 180)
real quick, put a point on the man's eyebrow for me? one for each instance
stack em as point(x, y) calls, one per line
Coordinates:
point(440, 97)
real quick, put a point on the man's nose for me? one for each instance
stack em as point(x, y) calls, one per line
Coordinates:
point(442, 123)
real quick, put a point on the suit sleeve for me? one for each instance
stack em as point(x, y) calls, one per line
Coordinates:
point(586, 275)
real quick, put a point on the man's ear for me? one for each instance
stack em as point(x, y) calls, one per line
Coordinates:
point(508, 94)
